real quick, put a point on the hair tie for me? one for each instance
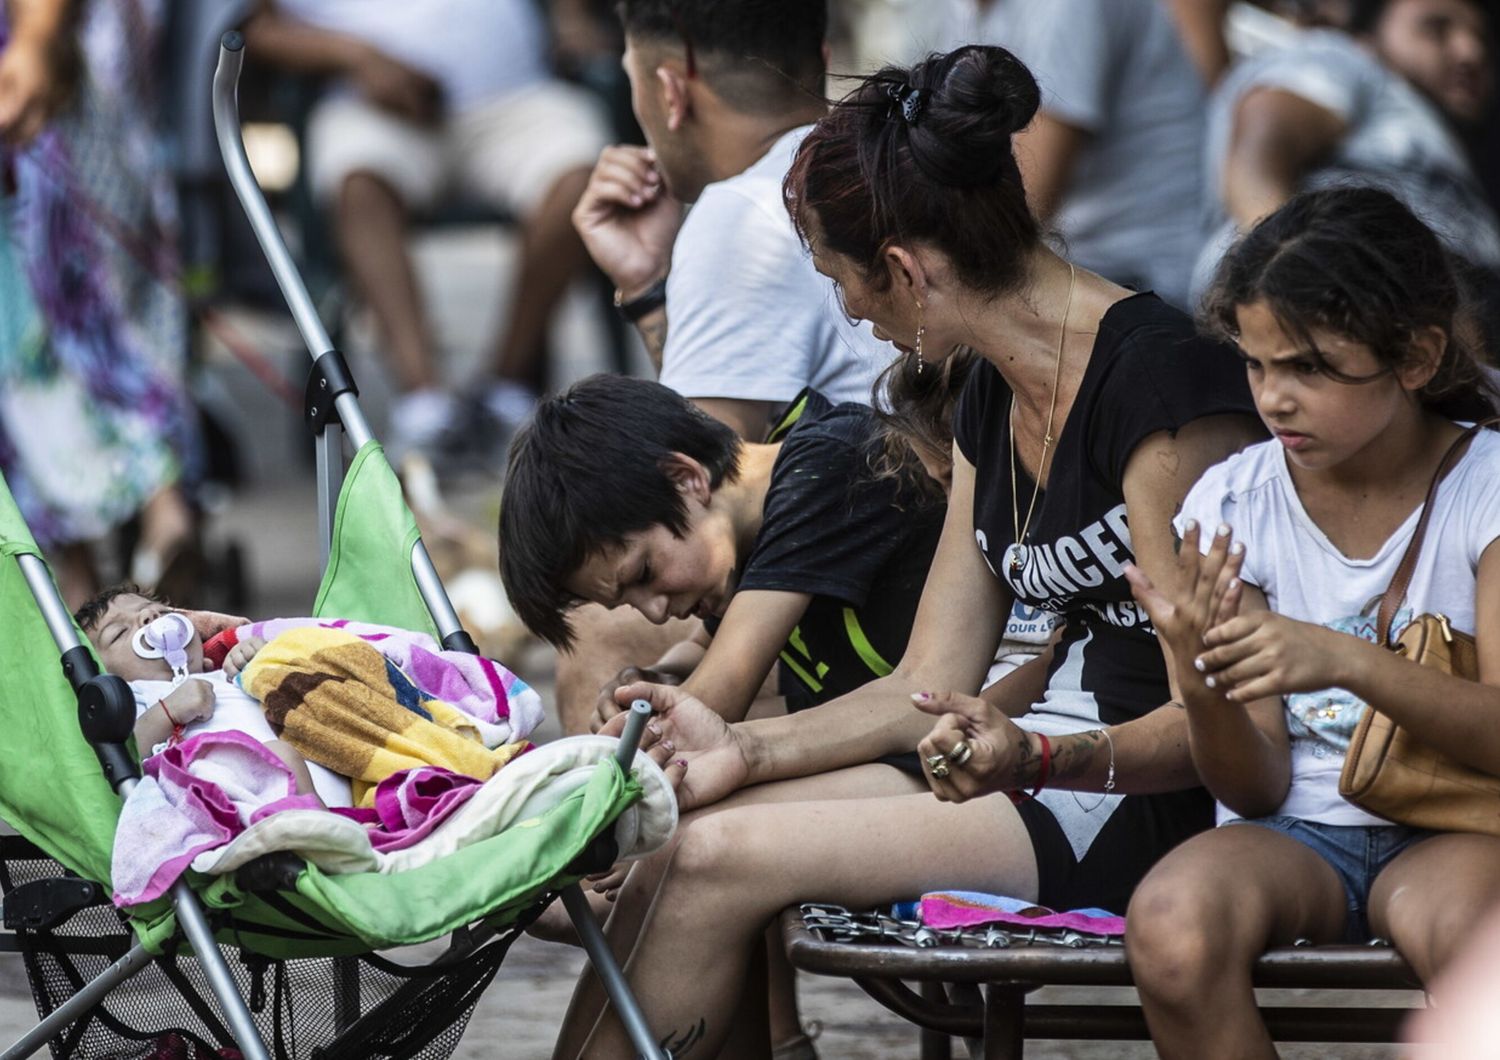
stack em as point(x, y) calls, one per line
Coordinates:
point(906, 99)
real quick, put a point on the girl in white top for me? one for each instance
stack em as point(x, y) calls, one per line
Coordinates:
point(1344, 309)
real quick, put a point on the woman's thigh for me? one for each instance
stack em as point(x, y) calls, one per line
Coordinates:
point(1432, 896)
point(857, 851)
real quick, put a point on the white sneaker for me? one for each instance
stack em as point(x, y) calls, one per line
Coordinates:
point(420, 421)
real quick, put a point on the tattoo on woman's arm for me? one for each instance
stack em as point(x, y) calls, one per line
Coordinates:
point(653, 329)
point(1071, 755)
point(1028, 766)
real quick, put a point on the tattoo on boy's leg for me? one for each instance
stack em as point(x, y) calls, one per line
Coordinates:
point(679, 1045)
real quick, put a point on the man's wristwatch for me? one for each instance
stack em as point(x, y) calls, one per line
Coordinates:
point(648, 301)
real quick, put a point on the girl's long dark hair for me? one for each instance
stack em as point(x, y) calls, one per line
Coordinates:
point(1356, 261)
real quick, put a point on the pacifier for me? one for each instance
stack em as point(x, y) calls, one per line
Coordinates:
point(166, 638)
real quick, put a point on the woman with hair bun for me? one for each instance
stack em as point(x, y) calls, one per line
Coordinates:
point(1090, 414)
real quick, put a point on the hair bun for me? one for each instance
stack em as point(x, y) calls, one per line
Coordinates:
point(977, 96)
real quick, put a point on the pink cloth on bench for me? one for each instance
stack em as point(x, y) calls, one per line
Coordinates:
point(957, 909)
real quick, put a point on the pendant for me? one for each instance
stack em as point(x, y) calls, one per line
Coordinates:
point(1016, 558)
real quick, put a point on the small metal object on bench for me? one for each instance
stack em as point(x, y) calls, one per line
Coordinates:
point(881, 953)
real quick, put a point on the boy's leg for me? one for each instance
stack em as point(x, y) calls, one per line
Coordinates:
point(1200, 919)
point(1433, 896)
point(605, 643)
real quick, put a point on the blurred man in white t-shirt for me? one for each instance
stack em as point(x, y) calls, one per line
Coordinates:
point(432, 98)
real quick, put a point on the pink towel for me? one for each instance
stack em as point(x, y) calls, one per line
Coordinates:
point(958, 909)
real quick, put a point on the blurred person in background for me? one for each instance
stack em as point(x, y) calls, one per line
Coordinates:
point(96, 428)
point(432, 97)
point(1112, 162)
point(1392, 102)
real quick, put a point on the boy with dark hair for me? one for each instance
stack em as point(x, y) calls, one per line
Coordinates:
point(621, 492)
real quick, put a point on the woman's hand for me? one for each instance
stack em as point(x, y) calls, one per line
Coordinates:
point(1002, 756)
point(708, 747)
point(1207, 593)
point(1266, 654)
point(31, 88)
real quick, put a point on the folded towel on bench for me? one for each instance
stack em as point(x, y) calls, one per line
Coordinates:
point(957, 909)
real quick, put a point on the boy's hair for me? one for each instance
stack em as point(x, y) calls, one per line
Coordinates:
point(585, 472)
point(1356, 261)
point(90, 613)
point(757, 54)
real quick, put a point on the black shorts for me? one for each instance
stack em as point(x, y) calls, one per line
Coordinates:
point(1122, 849)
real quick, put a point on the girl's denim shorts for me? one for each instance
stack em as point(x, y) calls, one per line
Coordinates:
point(1357, 853)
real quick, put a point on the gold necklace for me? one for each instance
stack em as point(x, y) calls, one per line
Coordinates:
point(1019, 553)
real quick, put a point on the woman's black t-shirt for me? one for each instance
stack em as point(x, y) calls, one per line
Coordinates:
point(858, 543)
point(1149, 371)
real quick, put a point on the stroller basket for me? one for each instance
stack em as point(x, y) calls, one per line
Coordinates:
point(330, 1008)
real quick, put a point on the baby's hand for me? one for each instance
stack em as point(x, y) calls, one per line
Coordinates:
point(191, 701)
point(240, 655)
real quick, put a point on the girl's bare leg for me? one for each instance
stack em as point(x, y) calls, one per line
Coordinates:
point(734, 871)
point(1433, 896)
point(639, 892)
point(1200, 919)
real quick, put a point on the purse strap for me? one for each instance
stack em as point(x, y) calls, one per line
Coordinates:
point(1396, 592)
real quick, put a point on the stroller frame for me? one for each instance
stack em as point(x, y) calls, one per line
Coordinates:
point(106, 707)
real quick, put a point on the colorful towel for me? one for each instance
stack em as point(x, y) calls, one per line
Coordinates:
point(219, 800)
point(344, 701)
point(957, 909)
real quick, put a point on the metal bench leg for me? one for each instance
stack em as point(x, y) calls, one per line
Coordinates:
point(935, 1045)
point(1004, 1022)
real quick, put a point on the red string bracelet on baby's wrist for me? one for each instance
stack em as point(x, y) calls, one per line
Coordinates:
point(177, 727)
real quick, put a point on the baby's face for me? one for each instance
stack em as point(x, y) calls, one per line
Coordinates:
point(112, 635)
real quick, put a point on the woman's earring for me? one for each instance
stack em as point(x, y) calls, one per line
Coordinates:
point(921, 331)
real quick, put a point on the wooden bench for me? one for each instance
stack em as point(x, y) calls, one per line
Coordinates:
point(980, 994)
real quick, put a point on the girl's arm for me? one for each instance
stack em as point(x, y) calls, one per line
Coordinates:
point(1265, 654)
point(1151, 754)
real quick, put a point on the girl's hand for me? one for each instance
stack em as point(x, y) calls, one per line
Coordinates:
point(240, 655)
point(1266, 654)
point(1207, 593)
point(1002, 754)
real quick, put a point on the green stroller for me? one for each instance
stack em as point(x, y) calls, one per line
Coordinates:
point(278, 958)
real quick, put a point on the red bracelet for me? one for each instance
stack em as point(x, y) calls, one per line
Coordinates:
point(177, 727)
point(1046, 770)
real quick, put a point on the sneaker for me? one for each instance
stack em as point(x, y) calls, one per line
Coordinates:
point(421, 421)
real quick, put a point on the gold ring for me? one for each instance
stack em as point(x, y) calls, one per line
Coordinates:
point(938, 764)
point(960, 754)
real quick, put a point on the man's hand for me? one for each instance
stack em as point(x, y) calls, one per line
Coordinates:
point(1001, 754)
point(714, 759)
point(606, 707)
point(30, 89)
point(240, 655)
point(191, 701)
point(627, 219)
point(392, 85)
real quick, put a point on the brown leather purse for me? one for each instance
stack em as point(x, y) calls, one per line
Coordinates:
point(1389, 772)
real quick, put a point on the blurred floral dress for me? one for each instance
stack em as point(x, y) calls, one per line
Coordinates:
point(94, 416)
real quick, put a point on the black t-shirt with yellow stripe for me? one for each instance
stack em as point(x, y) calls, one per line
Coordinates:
point(858, 543)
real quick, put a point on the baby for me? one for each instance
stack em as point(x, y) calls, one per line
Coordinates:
point(177, 693)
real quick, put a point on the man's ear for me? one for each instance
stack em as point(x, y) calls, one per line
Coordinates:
point(676, 105)
point(690, 477)
point(1428, 347)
